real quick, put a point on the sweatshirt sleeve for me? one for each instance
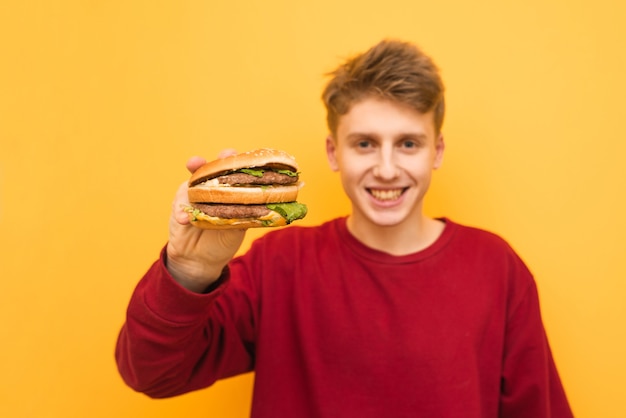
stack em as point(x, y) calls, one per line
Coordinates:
point(174, 340)
point(531, 387)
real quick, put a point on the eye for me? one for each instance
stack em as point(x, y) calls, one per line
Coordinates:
point(364, 143)
point(410, 143)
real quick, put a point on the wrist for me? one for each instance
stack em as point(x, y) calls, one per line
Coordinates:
point(195, 277)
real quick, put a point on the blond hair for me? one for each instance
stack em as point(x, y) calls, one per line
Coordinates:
point(393, 70)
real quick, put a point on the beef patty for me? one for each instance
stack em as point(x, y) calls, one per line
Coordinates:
point(269, 177)
point(232, 211)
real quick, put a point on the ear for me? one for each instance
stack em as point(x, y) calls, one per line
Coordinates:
point(440, 146)
point(331, 153)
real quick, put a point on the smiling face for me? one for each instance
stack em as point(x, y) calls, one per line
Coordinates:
point(385, 153)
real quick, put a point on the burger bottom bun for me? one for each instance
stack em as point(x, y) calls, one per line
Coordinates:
point(204, 221)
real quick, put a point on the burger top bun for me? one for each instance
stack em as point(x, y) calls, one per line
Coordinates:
point(264, 157)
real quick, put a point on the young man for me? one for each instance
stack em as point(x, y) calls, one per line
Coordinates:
point(385, 312)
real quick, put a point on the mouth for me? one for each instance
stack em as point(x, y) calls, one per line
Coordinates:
point(387, 195)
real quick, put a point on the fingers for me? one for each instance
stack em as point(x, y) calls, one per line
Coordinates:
point(194, 163)
point(180, 200)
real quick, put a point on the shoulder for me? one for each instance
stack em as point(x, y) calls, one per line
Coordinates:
point(291, 247)
point(477, 238)
point(298, 231)
point(294, 237)
point(485, 254)
point(470, 242)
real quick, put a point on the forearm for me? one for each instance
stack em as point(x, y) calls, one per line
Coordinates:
point(169, 343)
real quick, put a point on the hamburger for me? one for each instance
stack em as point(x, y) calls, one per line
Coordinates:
point(247, 190)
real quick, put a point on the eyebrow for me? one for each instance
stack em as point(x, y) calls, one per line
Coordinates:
point(417, 136)
point(359, 135)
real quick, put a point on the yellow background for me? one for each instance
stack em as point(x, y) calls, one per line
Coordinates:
point(102, 102)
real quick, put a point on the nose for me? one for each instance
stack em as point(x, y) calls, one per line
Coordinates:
point(386, 168)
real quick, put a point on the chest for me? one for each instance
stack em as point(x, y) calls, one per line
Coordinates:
point(414, 316)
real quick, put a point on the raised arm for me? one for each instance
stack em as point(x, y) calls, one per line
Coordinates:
point(174, 339)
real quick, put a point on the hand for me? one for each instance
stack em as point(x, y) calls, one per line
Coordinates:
point(196, 257)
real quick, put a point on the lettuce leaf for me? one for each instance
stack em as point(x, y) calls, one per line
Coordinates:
point(258, 172)
point(287, 172)
point(290, 211)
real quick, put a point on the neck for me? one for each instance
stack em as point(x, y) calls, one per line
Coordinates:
point(402, 239)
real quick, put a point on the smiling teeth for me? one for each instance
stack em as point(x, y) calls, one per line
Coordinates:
point(386, 194)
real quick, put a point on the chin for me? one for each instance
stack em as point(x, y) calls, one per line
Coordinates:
point(388, 220)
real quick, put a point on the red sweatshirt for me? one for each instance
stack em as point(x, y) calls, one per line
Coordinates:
point(333, 329)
